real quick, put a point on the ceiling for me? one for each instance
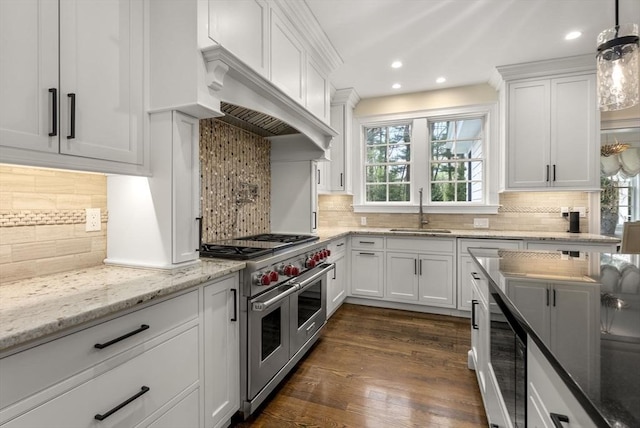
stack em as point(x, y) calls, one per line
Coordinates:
point(462, 40)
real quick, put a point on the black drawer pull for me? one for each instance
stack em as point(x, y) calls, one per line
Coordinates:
point(100, 417)
point(474, 302)
point(366, 242)
point(367, 254)
point(142, 328)
point(340, 244)
point(72, 120)
point(558, 419)
point(54, 112)
point(235, 304)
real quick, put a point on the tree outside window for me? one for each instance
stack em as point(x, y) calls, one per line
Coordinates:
point(388, 163)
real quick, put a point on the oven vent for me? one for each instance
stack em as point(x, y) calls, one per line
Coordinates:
point(253, 121)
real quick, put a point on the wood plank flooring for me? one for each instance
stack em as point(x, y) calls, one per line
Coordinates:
point(377, 367)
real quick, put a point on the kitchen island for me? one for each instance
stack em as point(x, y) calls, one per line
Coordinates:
point(580, 313)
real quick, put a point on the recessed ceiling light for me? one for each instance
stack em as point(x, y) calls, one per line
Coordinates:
point(396, 64)
point(396, 86)
point(441, 80)
point(573, 35)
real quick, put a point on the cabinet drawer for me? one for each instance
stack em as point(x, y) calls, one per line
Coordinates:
point(367, 242)
point(38, 368)
point(166, 370)
point(435, 245)
point(465, 244)
point(337, 246)
point(183, 414)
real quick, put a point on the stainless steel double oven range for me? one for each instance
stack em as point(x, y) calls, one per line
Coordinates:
point(282, 306)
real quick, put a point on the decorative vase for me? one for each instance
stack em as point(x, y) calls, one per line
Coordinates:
point(608, 222)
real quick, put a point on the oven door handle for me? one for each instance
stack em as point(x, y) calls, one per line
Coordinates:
point(323, 268)
point(260, 306)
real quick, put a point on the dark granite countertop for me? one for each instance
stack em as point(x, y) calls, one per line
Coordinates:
point(608, 384)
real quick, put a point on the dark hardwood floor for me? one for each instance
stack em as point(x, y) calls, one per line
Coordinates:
point(377, 367)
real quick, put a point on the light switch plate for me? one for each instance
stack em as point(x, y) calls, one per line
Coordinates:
point(581, 210)
point(481, 223)
point(363, 221)
point(93, 223)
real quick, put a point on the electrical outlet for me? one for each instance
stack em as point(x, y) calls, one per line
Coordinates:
point(481, 223)
point(564, 211)
point(363, 221)
point(581, 210)
point(93, 220)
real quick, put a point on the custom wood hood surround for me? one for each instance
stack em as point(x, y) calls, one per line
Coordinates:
point(236, 83)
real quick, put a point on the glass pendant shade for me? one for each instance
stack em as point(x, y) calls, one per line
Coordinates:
point(618, 68)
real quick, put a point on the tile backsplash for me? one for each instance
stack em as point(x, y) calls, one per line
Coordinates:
point(42, 221)
point(530, 211)
point(235, 187)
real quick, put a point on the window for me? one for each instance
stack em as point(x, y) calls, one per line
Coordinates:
point(388, 163)
point(448, 156)
point(456, 162)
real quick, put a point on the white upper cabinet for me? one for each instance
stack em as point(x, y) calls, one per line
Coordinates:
point(317, 91)
point(93, 107)
point(552, 125)
point(287, 58)
point(242, 28)
point(342, 105)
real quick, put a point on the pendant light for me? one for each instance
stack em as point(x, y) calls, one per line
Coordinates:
point(618, 67)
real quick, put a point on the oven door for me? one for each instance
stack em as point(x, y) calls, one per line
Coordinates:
point(268, 336)
point(309, 306)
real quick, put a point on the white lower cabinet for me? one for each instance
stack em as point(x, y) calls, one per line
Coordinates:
point(152, 367)
point(367, 273)
point(337, 285)
point(221, 352)
point(548, 398)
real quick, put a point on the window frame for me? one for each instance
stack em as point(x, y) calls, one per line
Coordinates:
point(421, 160)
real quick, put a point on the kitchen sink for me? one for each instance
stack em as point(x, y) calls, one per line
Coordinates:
point(409, 229)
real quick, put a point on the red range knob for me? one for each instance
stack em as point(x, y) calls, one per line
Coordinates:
point(328, 252)
point(273, 276)
point(265, 279)
point(311, 262)
point(295, 271)
point(287, 270)
point(317, 257)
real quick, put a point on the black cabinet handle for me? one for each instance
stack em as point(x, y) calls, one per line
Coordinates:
point(318, 174)
point(340, 244)
point(558, 419)
point(367, 254)
point(420, 268)
point(142, 328)
point(474, 302)
point(199, 220)
point(54, 112)
point(72, 115)
point(547, 297)
point(100, 417)
point(415, 266)
point(547, 173)
point(366, 242)
point(554, 172)
point(554, 297)
point(235, 304)
point(475, 276)
point(334, 271)
point(315, 219)
point(341, 177)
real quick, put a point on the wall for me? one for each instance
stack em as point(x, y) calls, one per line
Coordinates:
point(444, 98)
point(42, 221)
point(526, 211)
point(233, 162)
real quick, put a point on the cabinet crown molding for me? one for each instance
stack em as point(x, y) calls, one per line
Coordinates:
point(572, 64)
point(347, 96)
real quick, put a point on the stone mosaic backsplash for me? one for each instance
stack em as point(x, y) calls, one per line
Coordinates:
point(235, 168)
point(42, 221)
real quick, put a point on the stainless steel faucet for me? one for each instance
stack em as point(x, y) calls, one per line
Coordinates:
point(422, 220)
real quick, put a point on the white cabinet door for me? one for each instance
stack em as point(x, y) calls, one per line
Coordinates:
point(574, 150)
point(338, 148)
point(337, 286)
point(465, 268)
point(317, 91)
point(186, 188)
point(28, 72)
point(528, 134)
point(186, 413)
point(241, 27)
point(101, 79)
point(294, 197)
point(436, 280)
point(402, 277)
point(221, 352)
point(367, 273)
point(287, 58)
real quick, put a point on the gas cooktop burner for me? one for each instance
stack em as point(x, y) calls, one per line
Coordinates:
point(251, 247)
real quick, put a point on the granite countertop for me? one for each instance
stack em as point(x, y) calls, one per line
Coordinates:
point(333, 233)
point(608, 386)
point(59, 301)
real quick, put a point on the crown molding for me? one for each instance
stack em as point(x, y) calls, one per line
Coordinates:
point(347, 96)
point(572, 64)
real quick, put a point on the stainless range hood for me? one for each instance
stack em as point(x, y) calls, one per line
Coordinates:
point(252, 101)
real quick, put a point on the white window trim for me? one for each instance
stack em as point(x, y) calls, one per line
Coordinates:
point(419, 150)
